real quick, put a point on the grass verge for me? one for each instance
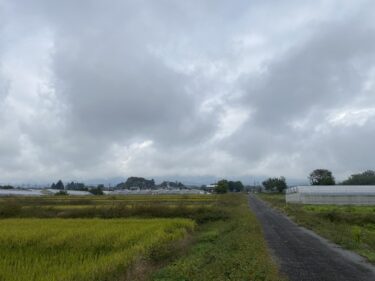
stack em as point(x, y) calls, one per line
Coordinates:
point(231, 249)
point(352, 227)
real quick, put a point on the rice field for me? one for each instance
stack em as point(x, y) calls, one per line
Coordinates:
point(136, 237)
point(196, 207)
point(108, 200)
point(80, 249)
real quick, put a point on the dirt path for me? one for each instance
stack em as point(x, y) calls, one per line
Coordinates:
point(305, 256)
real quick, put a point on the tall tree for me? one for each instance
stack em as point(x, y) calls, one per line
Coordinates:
point(275, 184)
point(235, 186)
point(59, 185)
point(321, 177)
point(222, 187)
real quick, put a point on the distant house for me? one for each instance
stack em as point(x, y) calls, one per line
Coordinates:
point(210, 187)
point(332, 194)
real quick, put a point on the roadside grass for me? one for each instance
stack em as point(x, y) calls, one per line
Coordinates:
point(352, 227)
point(81, 249)
point(232, 249)
point(133, 238)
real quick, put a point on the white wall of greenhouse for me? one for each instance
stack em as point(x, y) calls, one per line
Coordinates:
point(332, 194)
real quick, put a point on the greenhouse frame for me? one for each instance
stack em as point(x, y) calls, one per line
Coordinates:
point(332, 194)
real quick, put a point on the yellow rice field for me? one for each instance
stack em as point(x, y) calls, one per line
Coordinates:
point(80, 249)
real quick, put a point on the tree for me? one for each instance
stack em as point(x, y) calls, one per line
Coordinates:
point(365, 178)
point(96, 191)
point(235, 186)
point(137, 182)
point(76, 186)
point(6, 187)
point(58, 185)
point(275, 184)
point(176, 184)
point(321, 177)
point(222, 187)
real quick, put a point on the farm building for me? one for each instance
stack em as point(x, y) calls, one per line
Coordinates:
point(332, 194)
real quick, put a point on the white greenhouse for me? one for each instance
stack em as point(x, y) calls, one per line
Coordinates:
point(332, 194)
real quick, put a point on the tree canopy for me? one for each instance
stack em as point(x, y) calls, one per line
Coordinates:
point(96, 191)
point(235, 186)
point(321, 177)
point(137, 182)
point(76, 186)
point(59, 185)
point(172, 184)
point(222, 187)
point(365, 178)
point(275, 184)
point(6, 187)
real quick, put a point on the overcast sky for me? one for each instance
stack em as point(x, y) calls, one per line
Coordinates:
point(101, 89)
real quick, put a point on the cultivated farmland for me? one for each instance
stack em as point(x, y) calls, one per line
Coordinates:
point(80, 249)
point(172, 237)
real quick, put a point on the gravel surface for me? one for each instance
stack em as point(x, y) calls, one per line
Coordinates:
point(303, 255)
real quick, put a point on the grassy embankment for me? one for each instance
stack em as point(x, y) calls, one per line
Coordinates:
point(38, 236)
point(352, 227)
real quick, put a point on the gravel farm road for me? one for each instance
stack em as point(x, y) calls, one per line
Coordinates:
point(304, 256)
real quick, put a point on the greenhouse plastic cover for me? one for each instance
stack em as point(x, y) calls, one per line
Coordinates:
point(334, 189)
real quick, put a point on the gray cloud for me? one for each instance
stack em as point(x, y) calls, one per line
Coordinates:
point(93, 89)
point(299, 93)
